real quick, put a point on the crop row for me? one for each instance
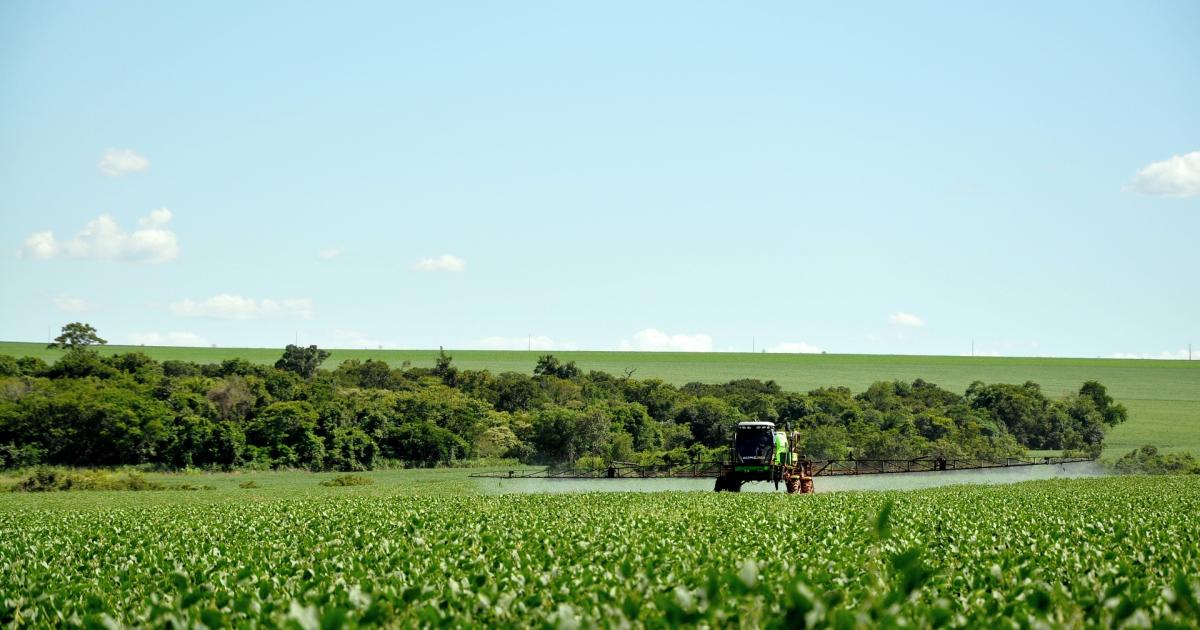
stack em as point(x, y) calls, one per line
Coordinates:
point(1064, 553)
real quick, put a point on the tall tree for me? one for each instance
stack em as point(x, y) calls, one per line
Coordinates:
point(302, 361)
point(443, 370)
point(77, 335)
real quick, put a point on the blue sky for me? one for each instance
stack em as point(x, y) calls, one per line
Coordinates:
point(867, 178)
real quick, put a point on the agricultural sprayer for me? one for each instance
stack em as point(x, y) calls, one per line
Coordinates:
point(759, 451)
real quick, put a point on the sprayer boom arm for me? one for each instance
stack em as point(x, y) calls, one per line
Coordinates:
point(820, 468)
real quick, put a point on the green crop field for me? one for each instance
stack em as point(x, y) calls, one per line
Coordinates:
point(419, 549)
point(1163, 397)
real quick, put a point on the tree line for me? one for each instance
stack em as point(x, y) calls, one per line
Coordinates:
point(86, 409)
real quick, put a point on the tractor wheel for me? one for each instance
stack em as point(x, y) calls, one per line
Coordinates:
point(793, 485)
point(720, 485)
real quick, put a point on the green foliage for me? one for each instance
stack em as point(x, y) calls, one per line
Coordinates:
point(302, 361)
point(443, 370)
point(548, 365)
point(284, 435)
point(52, 480)
point(126, 408)
point(77, 335)
point(9, 366)
point(1093, 553)
point(1038, 422)
point(347, 480)
point(711, 420)
point(1148, 461)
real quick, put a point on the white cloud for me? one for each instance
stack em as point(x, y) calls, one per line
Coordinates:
point(329, 252)
point(1176, 176)
point(652, 340)
point(156, 219)
point(536, 342)
point(796, 347)
point(236, 307)
point(167, 339)
point(119, 162)
point(905, 319)
point(343, 338)
point(445, 262)
point(39, 245)
point(103, 239)
point(1178, 355)
point(70, 304)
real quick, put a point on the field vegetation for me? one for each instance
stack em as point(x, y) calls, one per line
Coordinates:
point(1094, 552)
point(92, 409)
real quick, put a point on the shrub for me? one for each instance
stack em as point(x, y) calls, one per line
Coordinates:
point(248, 485)
point(50, 480)
point(1148, 461)
point(347, 480)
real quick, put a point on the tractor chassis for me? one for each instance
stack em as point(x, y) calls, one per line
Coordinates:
point(796, 478)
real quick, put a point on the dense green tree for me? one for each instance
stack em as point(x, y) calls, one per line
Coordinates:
point(497, 441)
point(130, 409)
point(510, 391)
point(81, 362)
point(422, 443)
point(1148, 461)
point(86, 422)
point(657, 397)
point(9, 366)
point(349, 449)
point(710, 419)
point(1112, 412)
point(195, 440)
point(284, 436)
point(32, 366)
point(302, 361)
point(444, 370)
point(549, 365)
point(77, 335)
point(554, 435)
point(369, 374)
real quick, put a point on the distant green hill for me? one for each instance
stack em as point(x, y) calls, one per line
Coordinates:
point(1163, 397)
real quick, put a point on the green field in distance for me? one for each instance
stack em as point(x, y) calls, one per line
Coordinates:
point(1163, 397)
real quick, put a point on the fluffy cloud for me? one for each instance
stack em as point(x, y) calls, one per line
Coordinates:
point(103, 239)
point(1178, 355)
point(1176, 176)
point(445, 262)
point(343, 338)
point(168, 339)
point(905, 319)
point(652, 340)
point(329, 252)
point(226, 306)
point(70, 304)
point(120, 162)
point(536, 342)
point(796, 347)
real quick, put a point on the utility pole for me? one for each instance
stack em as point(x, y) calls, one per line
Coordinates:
point(972, 347)
point(752, 346)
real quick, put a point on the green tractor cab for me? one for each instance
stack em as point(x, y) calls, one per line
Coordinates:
point(759, 452)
